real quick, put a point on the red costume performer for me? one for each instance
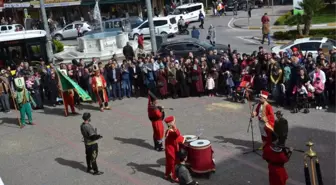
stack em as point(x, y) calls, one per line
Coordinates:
point(276, 158)
point(68, 100)
point(99, 88)
point(265, 114)
point(156, 115)
point(173, 139)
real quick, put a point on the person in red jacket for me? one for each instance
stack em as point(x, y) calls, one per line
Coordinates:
point(141, 41)
point(99, 88)
point(276, 157)
point(172, 142)
point(156, 115)
point(265, 114)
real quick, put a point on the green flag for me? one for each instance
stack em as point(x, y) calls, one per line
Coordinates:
point(68, 84)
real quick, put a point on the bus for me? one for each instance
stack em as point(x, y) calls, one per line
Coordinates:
point(21, 46)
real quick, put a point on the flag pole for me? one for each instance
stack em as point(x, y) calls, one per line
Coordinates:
point(15, 107)
point(60, 85)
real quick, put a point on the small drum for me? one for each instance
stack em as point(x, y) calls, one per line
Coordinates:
point(201, 156)
point(189, 139)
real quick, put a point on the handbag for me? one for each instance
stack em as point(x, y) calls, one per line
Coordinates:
point(208, 37)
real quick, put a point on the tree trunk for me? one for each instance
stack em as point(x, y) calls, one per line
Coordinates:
point(307, 25)
point(298, 27)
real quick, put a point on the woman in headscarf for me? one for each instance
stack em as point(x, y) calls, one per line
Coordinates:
point(162, 82)
point(172, 79)
point(211, 34)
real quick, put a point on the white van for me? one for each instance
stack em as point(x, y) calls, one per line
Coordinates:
point(189, 12)
point(163, 25)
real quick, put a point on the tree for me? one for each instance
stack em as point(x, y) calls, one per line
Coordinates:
point(310, 7)
point(296, 20)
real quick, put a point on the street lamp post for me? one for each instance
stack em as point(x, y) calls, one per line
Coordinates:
point(151, 25)
point(46, 28)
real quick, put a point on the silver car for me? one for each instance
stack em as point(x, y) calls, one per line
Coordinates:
point(71, 30)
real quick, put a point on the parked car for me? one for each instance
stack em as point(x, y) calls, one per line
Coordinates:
point(307, 45)
point(163, 26)
point(70, 30)
point(11, 28)
point(242, 4)
point(189, 12)
point(182, 47)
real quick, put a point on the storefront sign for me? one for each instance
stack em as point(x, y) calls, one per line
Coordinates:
point(55, 3)
point(16, 5)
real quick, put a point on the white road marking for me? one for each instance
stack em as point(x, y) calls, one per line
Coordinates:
point(233, 19)
point(248, 40)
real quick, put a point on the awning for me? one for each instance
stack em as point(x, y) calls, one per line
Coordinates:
point(92, 2)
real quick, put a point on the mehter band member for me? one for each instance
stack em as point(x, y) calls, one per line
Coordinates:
point(99, 88)
point(276, 158)
point(265, 114)
point(68, 100)
point(91, 147)
point(172, 142)
point(182, 171)
point(156, 115)
point(281, 128)
point(24, 101)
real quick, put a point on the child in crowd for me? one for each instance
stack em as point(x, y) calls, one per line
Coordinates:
point(210, 85)
point(319, 88)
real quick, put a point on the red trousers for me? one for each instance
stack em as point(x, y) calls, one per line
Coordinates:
point(170, 167)
point(277, 175)
point(68, 101)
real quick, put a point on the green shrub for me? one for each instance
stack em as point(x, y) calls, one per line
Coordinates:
point(282, 19)
point(293, 34)
point(59, 46)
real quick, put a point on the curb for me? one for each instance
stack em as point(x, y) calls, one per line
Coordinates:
point(327, 25)
point(275, 42)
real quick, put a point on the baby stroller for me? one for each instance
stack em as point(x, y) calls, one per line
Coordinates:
point(240, 93)
point(300, 99)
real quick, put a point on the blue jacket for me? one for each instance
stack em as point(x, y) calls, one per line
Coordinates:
point(195, 33)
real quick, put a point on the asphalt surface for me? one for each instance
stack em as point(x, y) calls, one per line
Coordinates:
point(227, 33)
point(52, 152)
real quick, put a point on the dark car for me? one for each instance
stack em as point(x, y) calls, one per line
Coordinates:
point(182, 47)
point(242, 4)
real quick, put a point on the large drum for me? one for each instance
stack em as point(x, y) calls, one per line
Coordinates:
point(188, 139)
point(201, 156)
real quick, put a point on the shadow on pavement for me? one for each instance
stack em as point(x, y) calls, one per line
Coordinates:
point(135, 141)
point(240, 144)
point(12, 121)
point(147, 169)
point(72, 164)
point(54, 110)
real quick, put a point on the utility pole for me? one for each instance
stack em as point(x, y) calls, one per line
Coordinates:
point(46, 28)
point(151, 25)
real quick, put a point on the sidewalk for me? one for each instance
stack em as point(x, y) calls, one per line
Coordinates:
point(255, 24)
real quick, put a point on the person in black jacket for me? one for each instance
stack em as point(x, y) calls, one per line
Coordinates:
point(128, 52)
point(91, 147)
point(281, 128)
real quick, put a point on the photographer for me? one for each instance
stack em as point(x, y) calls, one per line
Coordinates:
point(91, 147)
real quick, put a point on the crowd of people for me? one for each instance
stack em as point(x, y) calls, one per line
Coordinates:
point(287, 76)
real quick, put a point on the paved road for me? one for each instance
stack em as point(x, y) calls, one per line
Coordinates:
point(239, 39)
point(52, 152)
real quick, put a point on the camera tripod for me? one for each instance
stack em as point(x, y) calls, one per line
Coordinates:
point(251, 126)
